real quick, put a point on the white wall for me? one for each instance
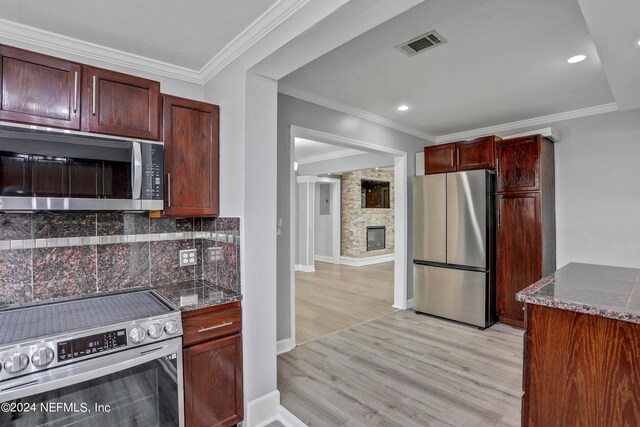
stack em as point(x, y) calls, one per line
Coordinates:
point(323, 224)
point(598, 189)
point(305, 222)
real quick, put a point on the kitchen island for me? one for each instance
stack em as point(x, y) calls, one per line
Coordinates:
point(582, 347)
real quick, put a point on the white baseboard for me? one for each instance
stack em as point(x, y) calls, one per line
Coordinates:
point(305, 268)
point(288, 419)
point(284, 346)
point(409, 303)
point(323, 258)
point(263, 410)
point(359, 262)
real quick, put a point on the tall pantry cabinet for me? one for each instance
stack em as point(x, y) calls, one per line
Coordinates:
point(525, 204)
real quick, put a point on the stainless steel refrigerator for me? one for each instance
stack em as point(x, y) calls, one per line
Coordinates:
point(454, 246)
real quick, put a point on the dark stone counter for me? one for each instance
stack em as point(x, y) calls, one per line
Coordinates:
point(196, 294)
point(599, 290)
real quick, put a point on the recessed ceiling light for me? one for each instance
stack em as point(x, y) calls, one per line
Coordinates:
point(403, 107)
point(576, 59)
point(638, 42)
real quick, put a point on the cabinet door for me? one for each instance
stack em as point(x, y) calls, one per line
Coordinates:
point(213, 383)
point(39, 89)
point(479, 153)
point(439, 158)
point(519, 251)
point(120, 104)
point(190, 157)
point(519, 164)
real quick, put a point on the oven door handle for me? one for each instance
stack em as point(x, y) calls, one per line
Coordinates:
point(81, 371)
point(136, 176)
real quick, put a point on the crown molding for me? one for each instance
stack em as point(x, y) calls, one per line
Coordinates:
point(263, 25)
point(537, 121)
point(329, 156)
point(365, 115)
point(45, 39)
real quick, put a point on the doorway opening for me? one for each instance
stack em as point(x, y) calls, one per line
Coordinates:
point(375, 279)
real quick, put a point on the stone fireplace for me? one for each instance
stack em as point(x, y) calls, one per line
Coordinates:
point(357, 240)
point(376, 238)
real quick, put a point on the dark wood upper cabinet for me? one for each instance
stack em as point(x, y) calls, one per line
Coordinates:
point(120, 104)
point(479, 153)
point(190, 157)
point(39, 89)
point(440, 158)
point(519, 164)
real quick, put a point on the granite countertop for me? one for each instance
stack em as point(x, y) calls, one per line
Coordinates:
point(196, 294)
point(600, 290)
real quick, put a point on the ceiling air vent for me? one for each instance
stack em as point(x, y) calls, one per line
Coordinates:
point(421, 43)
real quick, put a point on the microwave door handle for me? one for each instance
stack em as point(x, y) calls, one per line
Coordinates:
point(136, 177)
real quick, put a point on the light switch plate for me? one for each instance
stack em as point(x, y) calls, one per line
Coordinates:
point(188, 257)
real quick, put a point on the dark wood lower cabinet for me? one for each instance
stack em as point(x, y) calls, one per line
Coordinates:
point(213, 367)
point(580, 370)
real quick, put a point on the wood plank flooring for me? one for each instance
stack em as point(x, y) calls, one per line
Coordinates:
point(406, 369)
point(338, 296)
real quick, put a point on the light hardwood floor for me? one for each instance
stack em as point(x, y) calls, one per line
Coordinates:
point(406, 369)
point(337, 296)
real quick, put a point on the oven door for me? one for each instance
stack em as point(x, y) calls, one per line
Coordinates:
point(138, 387)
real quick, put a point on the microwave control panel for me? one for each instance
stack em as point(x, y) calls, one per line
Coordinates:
point(152, 175)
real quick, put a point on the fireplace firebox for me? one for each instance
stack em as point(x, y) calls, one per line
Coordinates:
point(376, 238)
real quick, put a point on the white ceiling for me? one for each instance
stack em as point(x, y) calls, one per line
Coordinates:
point(505, 61)
point(183, 33)
point(308, 151)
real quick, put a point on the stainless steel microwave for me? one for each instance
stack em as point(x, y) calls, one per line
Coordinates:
point(58, 170)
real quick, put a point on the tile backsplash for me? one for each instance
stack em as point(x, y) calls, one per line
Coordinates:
point(51, 255)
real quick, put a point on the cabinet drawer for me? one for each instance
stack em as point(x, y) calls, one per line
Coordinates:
point(210, 325)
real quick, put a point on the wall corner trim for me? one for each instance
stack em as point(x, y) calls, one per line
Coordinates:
point(284, 346)
point(263, 410)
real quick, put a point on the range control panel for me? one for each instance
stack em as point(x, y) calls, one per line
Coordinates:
point(85, 346)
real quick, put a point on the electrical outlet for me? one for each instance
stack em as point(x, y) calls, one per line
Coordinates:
point(214, 254)
point(188, 257)
point(186, 300)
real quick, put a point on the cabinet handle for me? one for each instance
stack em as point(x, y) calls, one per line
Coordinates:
point(458, 150)
point(75, 92)
point(93, 107)
point(451, 158)
point(221, 325)
point(499, 218)
point(497, 167)
point(169, 188)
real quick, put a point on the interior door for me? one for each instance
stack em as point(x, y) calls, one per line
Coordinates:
point(430, 218)
point(467, 218)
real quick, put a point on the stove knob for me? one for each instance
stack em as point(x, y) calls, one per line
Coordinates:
point(16, 363)
point(171, 327)
point(137, 335)
point(155, 330)
point(42, 357)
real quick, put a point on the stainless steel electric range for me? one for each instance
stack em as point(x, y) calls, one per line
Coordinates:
point(112, 359)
